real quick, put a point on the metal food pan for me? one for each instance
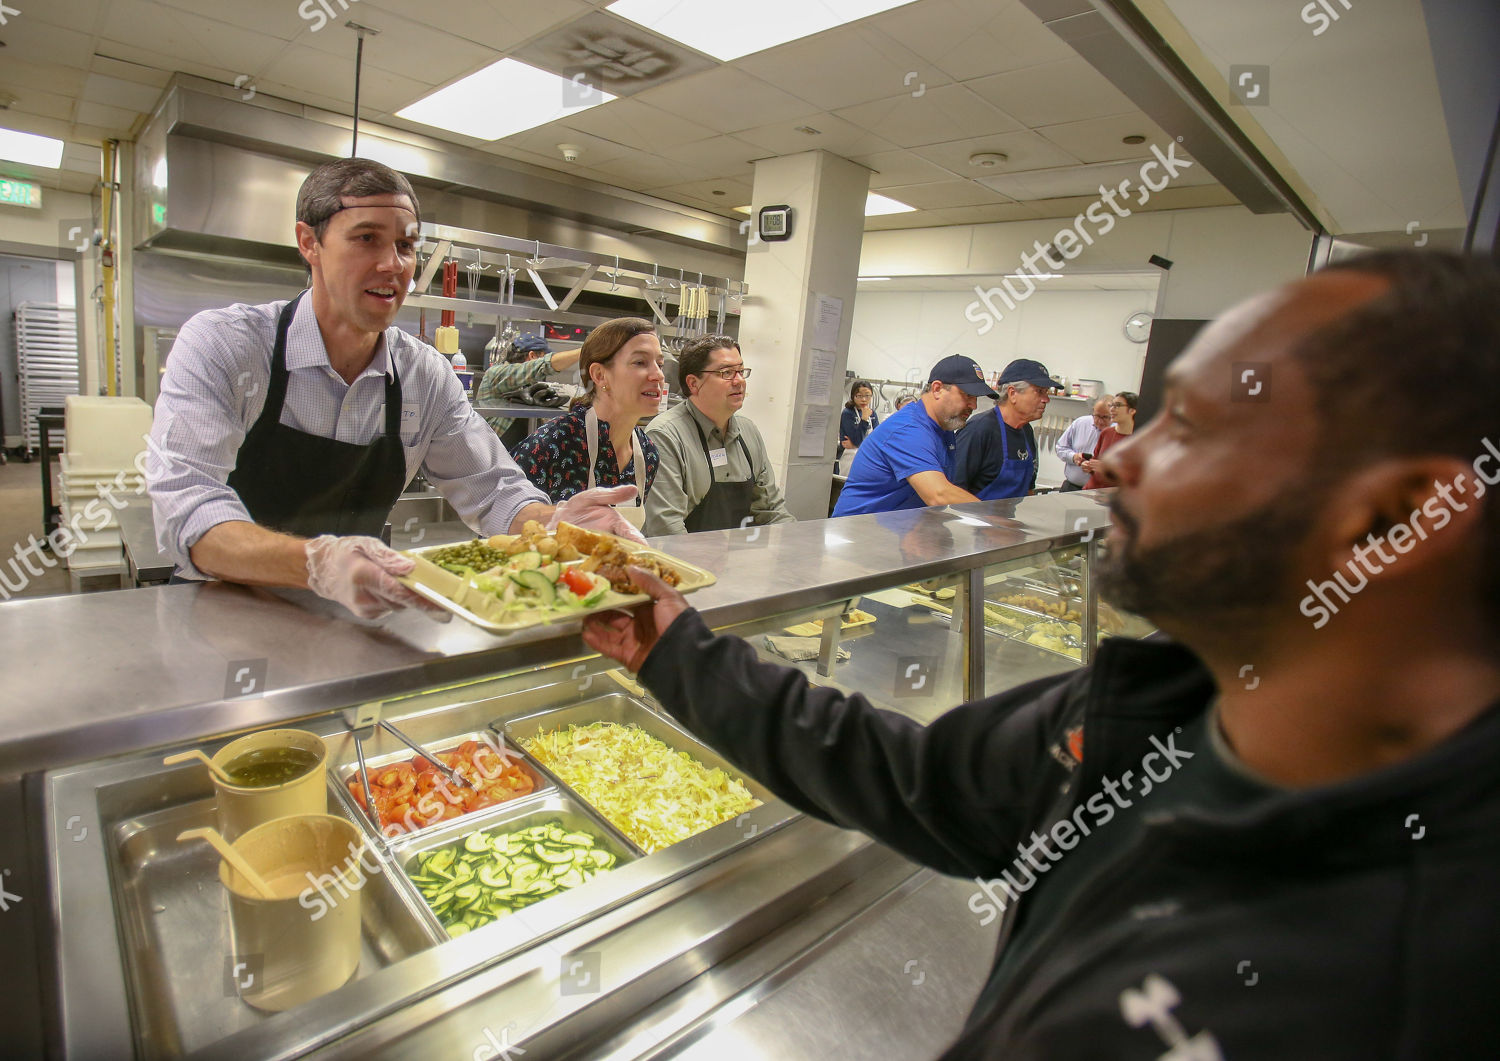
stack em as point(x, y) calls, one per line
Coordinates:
point(1023, 635)
point(465, 600)
point(1049, 594)
point(574, 814)
point(175, 930)
point(348, 770)
point(624, 710)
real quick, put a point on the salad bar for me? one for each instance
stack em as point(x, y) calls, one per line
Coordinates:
point(561, 867)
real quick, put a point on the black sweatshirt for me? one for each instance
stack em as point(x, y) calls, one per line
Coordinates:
point(1355, 921)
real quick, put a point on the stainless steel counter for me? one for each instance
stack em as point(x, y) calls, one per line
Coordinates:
point(151, 667)
point(727, 939)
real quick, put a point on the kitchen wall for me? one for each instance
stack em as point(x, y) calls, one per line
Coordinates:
point(1074, 333)
point(1221, 254)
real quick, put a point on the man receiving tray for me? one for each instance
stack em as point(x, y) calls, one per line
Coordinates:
point(1299, 795)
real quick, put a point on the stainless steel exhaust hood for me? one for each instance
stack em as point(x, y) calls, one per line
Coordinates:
point(218, 175)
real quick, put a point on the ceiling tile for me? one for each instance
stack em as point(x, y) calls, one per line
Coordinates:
point(1101, 139)
point(43, 42)
point(303, 70)
point(833, 134)
point(54, 105)
point(116, 93)
point(82, 158)
point(939, 195)
point(406, 47)
point(500, 27)
point(132, 72)
point(640, 125)
point(544, 140)
point(80, 15)
point(967, 40)
point(946, 113)
point(984, 215)
point(845, 66)
point(718, 155)
point(1027, 151)
point(130, 54)
point(701, 193)
point(1065, 91)
point(639, 170)
point(893, 168)
point(116, 118)
point(280, 20)
point(727, 100)
point(169, 31)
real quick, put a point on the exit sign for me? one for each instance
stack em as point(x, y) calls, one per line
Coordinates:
point(20, 193)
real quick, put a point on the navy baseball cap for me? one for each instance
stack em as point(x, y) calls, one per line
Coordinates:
point(1025, 370)
point(531, 344)
point(963, 373)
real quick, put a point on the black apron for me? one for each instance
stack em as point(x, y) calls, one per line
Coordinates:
point(308, 485)
point(726, 505)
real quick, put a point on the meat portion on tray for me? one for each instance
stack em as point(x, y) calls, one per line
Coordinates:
point(607, 557)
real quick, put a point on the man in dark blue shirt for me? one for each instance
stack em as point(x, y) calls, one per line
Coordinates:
point(907, 462)
point(996, 454)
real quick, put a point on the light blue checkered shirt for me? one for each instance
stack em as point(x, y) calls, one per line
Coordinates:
point(215, 385)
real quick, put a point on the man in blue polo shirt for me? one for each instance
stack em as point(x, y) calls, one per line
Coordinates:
point(907, 462)
point(996, 454)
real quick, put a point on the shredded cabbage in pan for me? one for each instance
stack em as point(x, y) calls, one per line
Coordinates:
point(651, 793)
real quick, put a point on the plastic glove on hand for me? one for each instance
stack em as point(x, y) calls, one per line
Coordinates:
point(591, 509)
point(360, 573)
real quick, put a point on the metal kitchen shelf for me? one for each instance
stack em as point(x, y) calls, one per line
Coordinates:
point(46, 359)
point(508, 257)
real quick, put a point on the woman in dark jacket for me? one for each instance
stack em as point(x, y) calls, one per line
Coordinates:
point(857, 421)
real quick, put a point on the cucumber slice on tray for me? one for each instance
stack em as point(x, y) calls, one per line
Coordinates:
point(490, 875)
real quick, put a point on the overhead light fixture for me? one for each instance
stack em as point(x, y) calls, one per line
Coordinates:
point(876, 204)
point(29, 149)
point(872, 279)
point(504, 98)
point(1133, 139)
point(742, 209)
point(728, 29)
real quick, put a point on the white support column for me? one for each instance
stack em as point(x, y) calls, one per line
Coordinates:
point(827, 197)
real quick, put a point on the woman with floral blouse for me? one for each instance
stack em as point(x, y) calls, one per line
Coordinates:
point(621, 367)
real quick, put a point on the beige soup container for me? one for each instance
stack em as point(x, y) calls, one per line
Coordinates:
point(242, 808)
point(305, 942)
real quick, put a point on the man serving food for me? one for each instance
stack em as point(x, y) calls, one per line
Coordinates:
point(285, 432)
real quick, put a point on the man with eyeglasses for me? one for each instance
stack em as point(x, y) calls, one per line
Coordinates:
point(714, 472)
point(285, 432)
point(1078, 442)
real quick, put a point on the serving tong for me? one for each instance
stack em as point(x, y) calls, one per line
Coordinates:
point(363, 721)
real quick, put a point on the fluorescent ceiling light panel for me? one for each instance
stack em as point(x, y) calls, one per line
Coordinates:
point(882, 204)
point(728, 29)
point(504, 98)
point(872, 279)
point(30, 149)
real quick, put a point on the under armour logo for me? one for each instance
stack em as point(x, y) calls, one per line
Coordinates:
point(1153, 1005)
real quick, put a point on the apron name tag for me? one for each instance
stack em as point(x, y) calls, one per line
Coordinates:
point(719, 458)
